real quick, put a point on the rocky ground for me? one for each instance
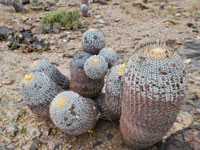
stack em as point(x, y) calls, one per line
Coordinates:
point(125, 24)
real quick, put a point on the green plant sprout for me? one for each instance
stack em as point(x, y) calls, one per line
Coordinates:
point(68, 19)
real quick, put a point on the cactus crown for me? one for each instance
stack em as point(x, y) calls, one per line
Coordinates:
point(61, 102)
point(121, 69)
point(155, 70)
point(29, 77)
point(96, 67)
point(155, 50)
point(94, 61)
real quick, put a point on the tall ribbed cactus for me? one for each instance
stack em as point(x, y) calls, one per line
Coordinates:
point(110, 104)
point(154, 86)
point(80, 82)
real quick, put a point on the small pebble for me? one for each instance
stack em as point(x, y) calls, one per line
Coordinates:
point(97, 143)
point(178, 15)
point(110, 136)
point(195, 30)
point(36, 144)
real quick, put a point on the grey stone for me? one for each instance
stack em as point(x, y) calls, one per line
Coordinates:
point(37, 8)
point(5, 32)
point(198, 110)
point(36, 144)
point(4, 147)
point(190, 49)
point(197, 103)
point(69, 54)
point(110, 136)
point(73, 4)
point(195, 30)
point(19, 7)
point(178, 15)
point(102, 2)
point(122, 7)
point(186, 107)
point(194, 66)
point(24, 2)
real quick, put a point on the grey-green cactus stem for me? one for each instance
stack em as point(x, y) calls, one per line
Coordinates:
point(93, 41)
point(43, 65)
point(110, 55)
point(96, 67)
point(110, 106)
point(72, 113)
point(38, 90)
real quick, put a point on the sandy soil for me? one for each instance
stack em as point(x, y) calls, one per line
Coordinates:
point(124, 26)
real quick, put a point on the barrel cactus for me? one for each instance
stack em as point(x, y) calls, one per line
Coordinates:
point(43, 65)
point(154, 85)
point(72, 113)
point(184, 139)
point(96, 67)
point(84, 10)
point(38, 90)
point(85, 2)
point(110, 106)
point(93, 41)
point(80, 82)
point(110, 55)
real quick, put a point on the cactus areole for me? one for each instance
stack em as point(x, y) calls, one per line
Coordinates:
point(154, 86)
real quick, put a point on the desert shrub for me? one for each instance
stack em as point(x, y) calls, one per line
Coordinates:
point(68, 19)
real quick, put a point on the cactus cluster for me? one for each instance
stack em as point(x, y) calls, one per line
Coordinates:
point(154, 86)
point(88, 68)
point(44, 88)
point(145, 93)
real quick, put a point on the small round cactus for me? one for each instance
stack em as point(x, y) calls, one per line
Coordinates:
point(184, 139)
point(73, 113)
point(42, 65)
point(93, 41)
point(80, 82)
point(38, 90)
point(85, 2)
point(111, 105)
point(110, 55)
point(84, 10)
point(96, 67)
point(154, 85)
